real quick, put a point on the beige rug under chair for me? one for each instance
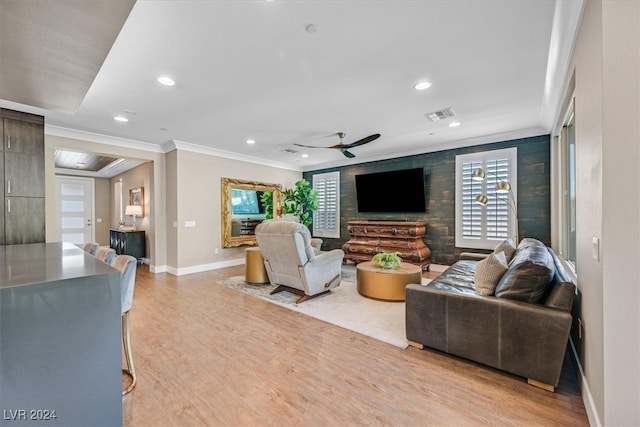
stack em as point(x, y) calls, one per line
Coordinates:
point(343, 306)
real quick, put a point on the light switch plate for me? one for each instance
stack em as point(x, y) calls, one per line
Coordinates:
point(596, 248)
point(189, 224)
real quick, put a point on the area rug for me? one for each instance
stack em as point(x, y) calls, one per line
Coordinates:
point(343, 306)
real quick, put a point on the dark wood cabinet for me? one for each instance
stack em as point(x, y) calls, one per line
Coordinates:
point(248, 226)
point(368, 238)
point(23, 220)
point(2, 239)
point(126, 242)
point(22, 172)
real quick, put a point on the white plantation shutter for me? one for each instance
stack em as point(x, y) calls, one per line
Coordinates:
point(471, 211)
point(497, 209)
point(326, 218)
point(480, 226)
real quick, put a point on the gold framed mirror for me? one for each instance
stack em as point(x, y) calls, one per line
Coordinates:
point(242, 210)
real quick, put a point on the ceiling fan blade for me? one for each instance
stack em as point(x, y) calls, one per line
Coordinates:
point(309, 146)
point(364, 140)
point(347, 153)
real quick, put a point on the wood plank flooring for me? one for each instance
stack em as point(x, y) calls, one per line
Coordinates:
point(207, 355)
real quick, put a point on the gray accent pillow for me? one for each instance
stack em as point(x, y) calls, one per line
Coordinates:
point(488, 273)
point(507, 247)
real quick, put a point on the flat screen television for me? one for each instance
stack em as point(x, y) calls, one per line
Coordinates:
point(246, 202)
point(393, 191)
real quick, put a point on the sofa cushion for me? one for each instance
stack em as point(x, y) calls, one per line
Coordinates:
point(529, 274)
point(458, 279)
point(489, 271)
point(507, 247)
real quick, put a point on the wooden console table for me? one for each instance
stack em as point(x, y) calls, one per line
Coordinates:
point(368, 238)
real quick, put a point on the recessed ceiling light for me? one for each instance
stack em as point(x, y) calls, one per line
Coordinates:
point(311, 28)
point(305, 155)
point(250, 141)
point(422, 85)
point(167, 81)
point(120, 119)
point(454, 124)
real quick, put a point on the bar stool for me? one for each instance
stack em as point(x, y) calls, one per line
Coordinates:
point(91, 248)
point(105, 254)
point(127, 266)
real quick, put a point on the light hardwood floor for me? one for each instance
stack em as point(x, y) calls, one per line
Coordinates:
point(207, 355)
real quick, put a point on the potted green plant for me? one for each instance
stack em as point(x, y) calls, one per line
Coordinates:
point(388, 260)
point(301, 201)
point(267, 202)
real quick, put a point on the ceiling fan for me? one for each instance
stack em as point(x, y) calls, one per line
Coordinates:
point(345, 147)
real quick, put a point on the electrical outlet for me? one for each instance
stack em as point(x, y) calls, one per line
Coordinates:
point(216, 250)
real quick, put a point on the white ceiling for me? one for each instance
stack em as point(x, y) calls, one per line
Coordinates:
point(250, 70)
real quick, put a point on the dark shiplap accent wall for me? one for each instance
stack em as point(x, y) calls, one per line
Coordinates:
point(534, 197)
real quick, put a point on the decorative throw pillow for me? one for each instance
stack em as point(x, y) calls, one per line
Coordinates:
point(530, 272)
point(507, 247)
point(488, 273)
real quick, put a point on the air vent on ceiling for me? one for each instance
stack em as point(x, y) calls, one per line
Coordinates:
point(440, 114)
point(290, 151)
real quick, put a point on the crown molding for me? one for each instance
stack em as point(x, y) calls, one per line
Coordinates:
point(175, 144)
point(101, 139)
point(447, 145)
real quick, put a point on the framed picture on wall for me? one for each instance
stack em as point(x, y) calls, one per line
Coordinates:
point(136, 197)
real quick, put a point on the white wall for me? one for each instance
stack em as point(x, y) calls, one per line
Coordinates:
point(621, 212)
point(606, 70)
point(138, 177)
point(198, 198)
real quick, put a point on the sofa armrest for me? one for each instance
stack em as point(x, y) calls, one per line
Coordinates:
point(522, 338)
point(472, 256)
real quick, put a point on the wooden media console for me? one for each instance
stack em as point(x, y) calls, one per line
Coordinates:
point(368, 238)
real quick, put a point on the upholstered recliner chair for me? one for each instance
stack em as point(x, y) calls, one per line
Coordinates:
point(291, 261)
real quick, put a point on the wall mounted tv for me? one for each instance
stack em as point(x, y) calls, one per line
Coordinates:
point(393, 191)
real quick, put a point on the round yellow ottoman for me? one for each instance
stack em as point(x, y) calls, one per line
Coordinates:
point(387, 285)
point(255, 272)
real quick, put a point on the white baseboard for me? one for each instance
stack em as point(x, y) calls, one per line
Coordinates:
point(196, 268)
point(587, 398)
point(158, 268)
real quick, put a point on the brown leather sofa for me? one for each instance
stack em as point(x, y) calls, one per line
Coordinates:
point(523, 330)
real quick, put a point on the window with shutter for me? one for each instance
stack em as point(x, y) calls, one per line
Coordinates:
point(479, 226)
point(326, 218)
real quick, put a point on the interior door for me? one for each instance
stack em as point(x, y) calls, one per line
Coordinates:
point(74, 210)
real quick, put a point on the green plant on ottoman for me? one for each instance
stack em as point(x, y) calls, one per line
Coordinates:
point(388, 260)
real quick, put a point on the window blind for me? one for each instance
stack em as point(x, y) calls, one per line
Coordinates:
point(326, 218)
point(480, 226)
